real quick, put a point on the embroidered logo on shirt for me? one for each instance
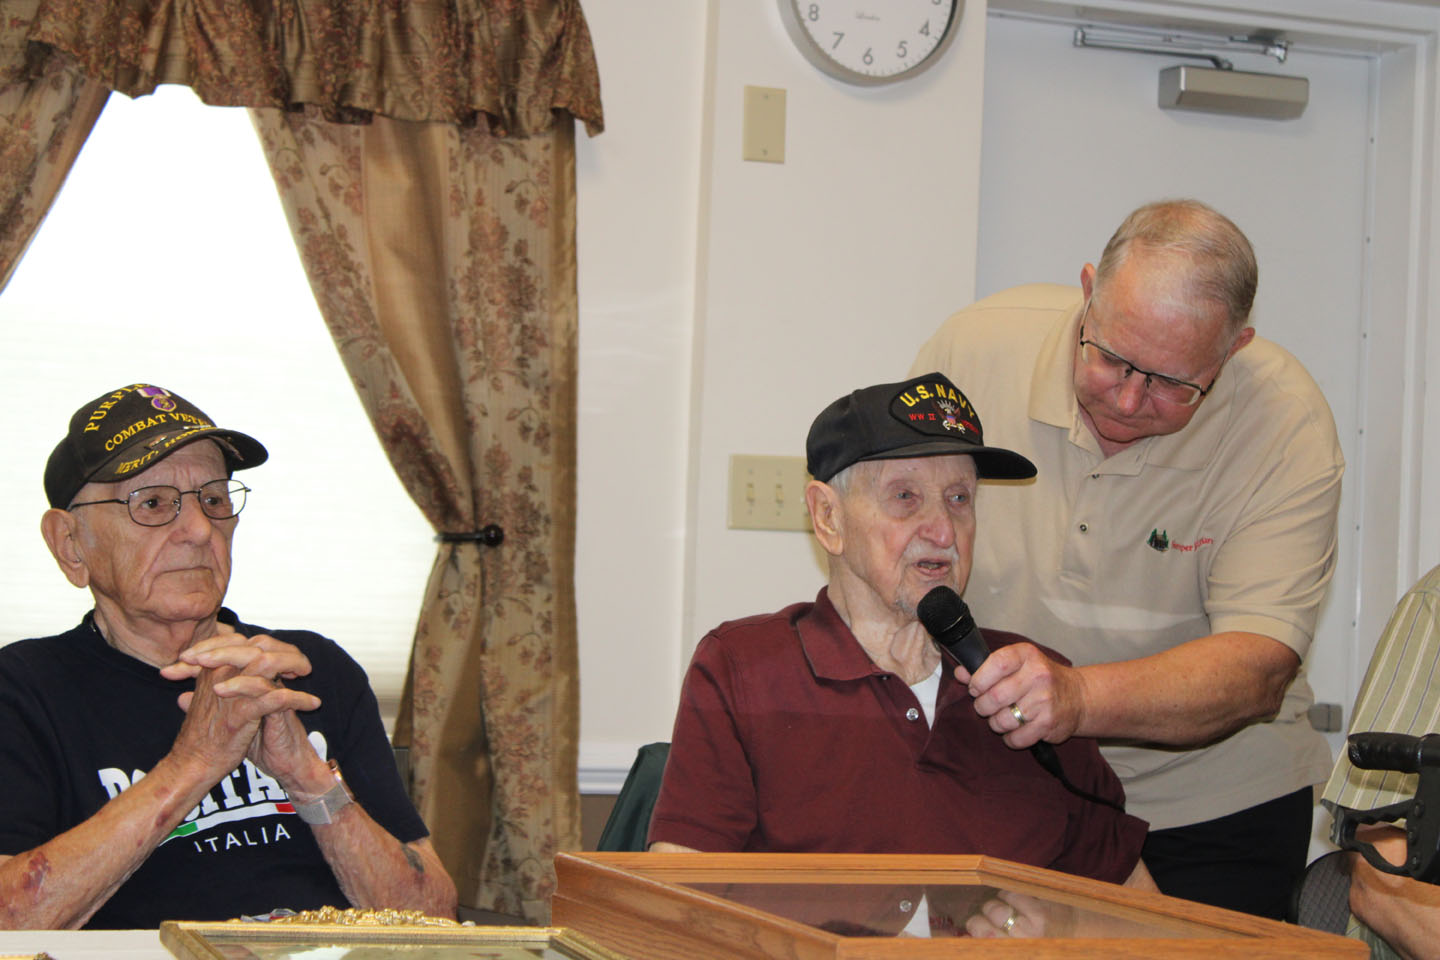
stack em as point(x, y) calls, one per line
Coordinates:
point(1159, 541)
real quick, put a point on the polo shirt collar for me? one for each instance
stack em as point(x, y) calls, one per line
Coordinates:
point(830, 648)
point(1052, 402)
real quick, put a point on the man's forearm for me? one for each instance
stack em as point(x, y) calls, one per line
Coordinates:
point(375, 870)
point(61, 883)
point(1191, 694)
point(1405, 912)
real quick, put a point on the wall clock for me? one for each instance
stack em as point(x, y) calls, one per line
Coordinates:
point(871, 42)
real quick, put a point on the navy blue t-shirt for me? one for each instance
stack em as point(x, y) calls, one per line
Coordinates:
point(80, 722)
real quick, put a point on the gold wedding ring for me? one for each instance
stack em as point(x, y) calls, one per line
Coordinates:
point(1021, 719)
point(1009, 923)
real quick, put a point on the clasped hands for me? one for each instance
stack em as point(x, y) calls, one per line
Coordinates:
point(241, 708)
point(1049, 695)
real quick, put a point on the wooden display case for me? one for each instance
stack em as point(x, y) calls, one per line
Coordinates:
point(821, 906)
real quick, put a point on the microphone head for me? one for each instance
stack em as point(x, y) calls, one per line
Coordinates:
point(940, 609)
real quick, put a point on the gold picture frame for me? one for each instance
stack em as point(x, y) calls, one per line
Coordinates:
point(188, 940)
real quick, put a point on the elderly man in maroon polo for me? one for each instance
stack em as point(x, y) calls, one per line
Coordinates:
point(831, 726)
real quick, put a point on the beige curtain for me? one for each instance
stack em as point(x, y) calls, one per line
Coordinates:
point(444, 263)
point(47, 109)
point(424, 152)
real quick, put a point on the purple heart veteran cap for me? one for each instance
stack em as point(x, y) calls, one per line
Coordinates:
point(924, 417)
point(132, 429)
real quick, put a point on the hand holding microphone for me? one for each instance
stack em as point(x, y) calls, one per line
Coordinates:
point(947, 619)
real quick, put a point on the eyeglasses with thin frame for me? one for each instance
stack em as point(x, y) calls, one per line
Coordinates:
point(156, 506)
point(1179, 392)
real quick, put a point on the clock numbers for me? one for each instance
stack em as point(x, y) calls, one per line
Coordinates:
point(848, 38)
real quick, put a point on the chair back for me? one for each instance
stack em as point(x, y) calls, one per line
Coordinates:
point(1321, 899)
point(629, 820)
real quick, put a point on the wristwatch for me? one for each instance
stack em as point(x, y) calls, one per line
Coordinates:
point(325, 808)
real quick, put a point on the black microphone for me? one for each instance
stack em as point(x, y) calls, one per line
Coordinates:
point(948, 621)
point(1394, 751)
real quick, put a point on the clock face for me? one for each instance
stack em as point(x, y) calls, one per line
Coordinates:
point(871, 41)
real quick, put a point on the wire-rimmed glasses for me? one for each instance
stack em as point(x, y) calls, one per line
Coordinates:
point(1179, 392)
point(158, 505)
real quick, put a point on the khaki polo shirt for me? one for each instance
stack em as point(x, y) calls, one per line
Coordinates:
point(1229, 524)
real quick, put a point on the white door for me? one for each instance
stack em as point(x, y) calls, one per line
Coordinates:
point(1073, 140)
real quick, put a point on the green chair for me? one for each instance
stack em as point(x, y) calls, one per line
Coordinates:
point(629, 820)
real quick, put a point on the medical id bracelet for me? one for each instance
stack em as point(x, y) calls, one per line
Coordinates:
point(325, 809)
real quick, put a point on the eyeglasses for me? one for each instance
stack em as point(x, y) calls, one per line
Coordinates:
point(156, 506)
point(1179, 392)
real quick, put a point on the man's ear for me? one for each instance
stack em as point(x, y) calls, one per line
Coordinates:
point(1087, 279)
point(826, 516)
point(1245, 336)
point(61, 534)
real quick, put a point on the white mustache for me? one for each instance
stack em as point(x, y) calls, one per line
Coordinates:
point(917, 554)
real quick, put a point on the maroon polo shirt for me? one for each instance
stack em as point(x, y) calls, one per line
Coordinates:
point(789, 738)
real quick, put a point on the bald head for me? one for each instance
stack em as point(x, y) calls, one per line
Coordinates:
point(1211, 260)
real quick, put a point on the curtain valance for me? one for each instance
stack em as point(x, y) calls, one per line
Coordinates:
point(506, 64)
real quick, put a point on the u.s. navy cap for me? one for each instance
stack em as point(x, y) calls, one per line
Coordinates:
point(922, 417)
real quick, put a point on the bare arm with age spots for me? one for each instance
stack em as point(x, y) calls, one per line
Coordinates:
point(1190, 694)
point(62, 882)
point(237, 710)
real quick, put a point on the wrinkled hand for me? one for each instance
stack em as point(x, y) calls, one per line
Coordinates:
point(1011, 914)
point(240, 707)
point(1050, 695)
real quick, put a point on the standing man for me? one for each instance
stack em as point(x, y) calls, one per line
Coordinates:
point(1176, 549)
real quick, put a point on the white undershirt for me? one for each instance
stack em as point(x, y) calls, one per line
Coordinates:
point(926, 691)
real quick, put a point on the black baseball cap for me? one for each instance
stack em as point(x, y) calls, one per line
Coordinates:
point(922, 417)
point(131, 429)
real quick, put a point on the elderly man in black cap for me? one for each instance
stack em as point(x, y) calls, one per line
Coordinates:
point(831, 726)
point(164, 760)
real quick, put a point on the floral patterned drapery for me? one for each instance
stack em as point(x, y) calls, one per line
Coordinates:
point(46, 113)
point(424, 152)
point(457, 324)
point(509, 65)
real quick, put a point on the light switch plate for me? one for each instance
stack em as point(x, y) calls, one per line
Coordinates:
point(768, 493)
point(764, 136)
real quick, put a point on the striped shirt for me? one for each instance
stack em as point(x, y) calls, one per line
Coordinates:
point(1400, 695)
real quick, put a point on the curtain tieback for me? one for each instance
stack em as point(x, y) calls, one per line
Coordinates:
point(492, 535)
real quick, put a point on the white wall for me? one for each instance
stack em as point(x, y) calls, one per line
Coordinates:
point(819, 275)
point(639, 195)
point(724, 302)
